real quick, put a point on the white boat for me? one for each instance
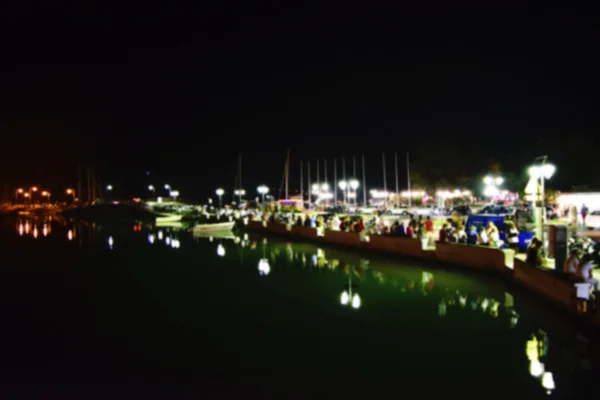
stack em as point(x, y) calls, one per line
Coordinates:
point(168, 218)
point(221, 234)
point(218, 227)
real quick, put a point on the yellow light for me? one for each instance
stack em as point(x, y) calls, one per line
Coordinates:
point(26, 194)
point(70, 235)
point(34, 189)
point(69, 191)
point(44, 193)
point(20, 190)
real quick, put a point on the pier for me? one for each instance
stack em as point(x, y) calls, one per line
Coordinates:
point(549, 284)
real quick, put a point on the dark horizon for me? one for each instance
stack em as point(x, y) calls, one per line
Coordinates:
point(181, 93)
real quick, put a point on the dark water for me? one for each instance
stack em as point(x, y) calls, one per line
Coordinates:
point(117, 310)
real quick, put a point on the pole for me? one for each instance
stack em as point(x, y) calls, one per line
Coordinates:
point(344, 176)
point(364, 182)
point(354, 167)
point(89, 185)
point(79, 178)
point(384, 179)
point(335, 194)
point(408, 178)
point(309, 185)
point(287, 174)
point(318, 182)
point(301, 184)
point(397, 187)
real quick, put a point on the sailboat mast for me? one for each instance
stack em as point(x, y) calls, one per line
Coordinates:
point(335, 194)
point(309, 185)
point(396, 173)
point(408, 178)
point(301, 183)
point(318, 182)
point(287, 174)
point(353, 166)
point(384, 176)
point(240, 172)
point(364, 182)
point(79, 186)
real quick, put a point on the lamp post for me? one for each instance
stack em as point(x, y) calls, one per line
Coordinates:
point(17, 193)
point(71, 193)
point(174, 194)
point(491, 186)
point(47, 195)
point(263, 190)
point(325, 193)
point(153, 190)
point(32, 190)
point(240, 194)
point(343, 185)
point(316, 189)
point(354, 184)
point(220, 192)
point(536, 190)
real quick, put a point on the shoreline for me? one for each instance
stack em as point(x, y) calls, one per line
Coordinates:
point(547, 284)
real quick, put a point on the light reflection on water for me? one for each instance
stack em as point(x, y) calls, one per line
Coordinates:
point(270, 257)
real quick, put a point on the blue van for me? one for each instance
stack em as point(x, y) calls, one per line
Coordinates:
point(481, 220)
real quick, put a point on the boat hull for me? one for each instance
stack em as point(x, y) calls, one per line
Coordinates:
point(169, 218)
point(221, 226)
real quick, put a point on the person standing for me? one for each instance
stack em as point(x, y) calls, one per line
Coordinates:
point(584, 213)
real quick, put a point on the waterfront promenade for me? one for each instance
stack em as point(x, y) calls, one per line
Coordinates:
point(551, 285)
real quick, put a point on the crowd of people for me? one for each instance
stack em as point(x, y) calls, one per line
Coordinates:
point(417, 227)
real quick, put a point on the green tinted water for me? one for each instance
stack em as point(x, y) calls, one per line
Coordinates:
point(248, 314)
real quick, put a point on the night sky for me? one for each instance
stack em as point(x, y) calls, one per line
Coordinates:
point(181, 92)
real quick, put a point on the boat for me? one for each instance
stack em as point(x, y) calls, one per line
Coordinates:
point(220, 234)
point(216, 227)
point(168, 218)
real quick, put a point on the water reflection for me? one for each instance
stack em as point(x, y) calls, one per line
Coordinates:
point(353, 274)
point(536, 350)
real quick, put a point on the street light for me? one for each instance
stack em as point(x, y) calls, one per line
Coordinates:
point(343, 185)
point(354, 184)
point(46, 194)
point(109, 187)
point(71, 193)
point(491, 186)
point(538, 174)
point(17, 193)
point(263, 190)
point(220, 192)
point(240, 193)
point(152, 189)
point(174, 194)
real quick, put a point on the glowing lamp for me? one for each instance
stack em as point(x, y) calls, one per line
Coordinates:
point(343, 185)
point(345, 298)
point(354, 184)
point(356, 302)
point(325, 187)
point(220, 250)
point(220, 192)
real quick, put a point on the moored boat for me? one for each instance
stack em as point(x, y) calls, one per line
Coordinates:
point(218, 226)
point(168, 218)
